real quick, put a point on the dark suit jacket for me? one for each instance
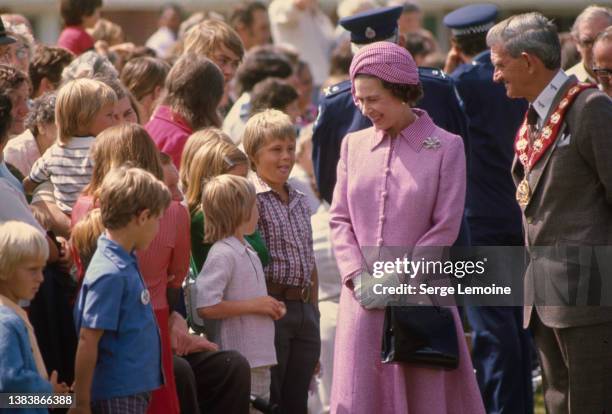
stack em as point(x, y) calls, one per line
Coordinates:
point(570, 212)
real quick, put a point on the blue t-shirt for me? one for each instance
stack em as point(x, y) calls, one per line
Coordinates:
point(114, 298)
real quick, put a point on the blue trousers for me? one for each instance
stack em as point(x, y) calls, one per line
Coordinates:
point(502, 357)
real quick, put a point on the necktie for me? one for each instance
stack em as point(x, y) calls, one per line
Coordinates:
point(532, 122)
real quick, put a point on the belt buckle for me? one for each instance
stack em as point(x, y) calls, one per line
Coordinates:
point(305, 294)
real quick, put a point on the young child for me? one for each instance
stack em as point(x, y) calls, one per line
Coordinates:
point(78, 16)
point(231, 285)
point(291, 276)
point(84, 108)
point(23, 254)
point(118, 360)
point(213, 158)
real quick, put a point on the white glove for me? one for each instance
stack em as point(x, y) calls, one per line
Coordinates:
point(372, 292)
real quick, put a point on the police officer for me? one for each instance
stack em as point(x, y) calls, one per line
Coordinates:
point(501, 347)
point(338, 114)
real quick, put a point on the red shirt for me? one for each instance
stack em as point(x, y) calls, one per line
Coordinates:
point(75, 39)
point(170, 132)
point(167, 255)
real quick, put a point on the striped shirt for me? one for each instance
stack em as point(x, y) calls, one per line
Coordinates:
point(288, 234)
point(69, 169)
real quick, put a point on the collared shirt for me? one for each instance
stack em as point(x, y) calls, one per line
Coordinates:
point(114, 298)
point(545, 99)
point(170, 132)
point(581, 73)
point(235, 121)
point(288, 234)
point(232, 271)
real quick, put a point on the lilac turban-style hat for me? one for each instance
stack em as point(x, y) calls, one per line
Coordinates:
point(386, 61)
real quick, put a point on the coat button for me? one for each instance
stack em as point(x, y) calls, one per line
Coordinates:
point(529, 220)
point(387, 170)
point(379, 242)
point(384, 194)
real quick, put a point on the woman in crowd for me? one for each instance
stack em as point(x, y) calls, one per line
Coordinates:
point(144, 77)
point(194, 88)
point(400, 183)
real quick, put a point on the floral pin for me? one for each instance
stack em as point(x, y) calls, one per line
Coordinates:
point(432, 143)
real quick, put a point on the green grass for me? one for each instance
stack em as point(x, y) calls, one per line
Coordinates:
point(539, 402)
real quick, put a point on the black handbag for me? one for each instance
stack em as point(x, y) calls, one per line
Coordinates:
point(420, 335)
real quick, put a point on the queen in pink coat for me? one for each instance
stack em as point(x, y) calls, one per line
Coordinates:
point(400, 183)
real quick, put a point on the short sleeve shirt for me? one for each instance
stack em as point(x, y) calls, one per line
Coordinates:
point(232, 271)
point(114, 298)
point(69, 169)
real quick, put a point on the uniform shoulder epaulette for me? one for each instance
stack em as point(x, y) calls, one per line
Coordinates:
point(336, 89)
point(432, 73)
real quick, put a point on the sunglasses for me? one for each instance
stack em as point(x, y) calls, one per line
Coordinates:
point(603, 73)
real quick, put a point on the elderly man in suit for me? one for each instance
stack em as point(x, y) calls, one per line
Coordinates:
point(563, 172)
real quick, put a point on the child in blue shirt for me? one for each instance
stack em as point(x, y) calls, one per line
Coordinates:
point(23, 254)
point(118, 361)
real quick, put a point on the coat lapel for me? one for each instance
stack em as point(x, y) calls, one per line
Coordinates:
point(538, 169)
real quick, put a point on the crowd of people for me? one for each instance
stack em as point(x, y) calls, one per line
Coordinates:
point(188, 225)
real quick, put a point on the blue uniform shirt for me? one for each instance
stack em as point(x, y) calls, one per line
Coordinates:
point(114, 298)
point(492, 211)
point(338, 116)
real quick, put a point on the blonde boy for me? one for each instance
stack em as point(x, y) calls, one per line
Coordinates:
point(118, 361)
point(231, 285)
point(84, 108)
point(23, 254)
point(291, 276)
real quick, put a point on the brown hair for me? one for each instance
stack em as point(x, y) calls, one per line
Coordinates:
point(272, 93)
point(260, 63)
point(194, 89)
point(73, 11)
point(128, 191)
point(142, 75)
point(214, 158)
point(244, 13)
point(48, 62)
point(78, 102)
point(118, 145)
point(207, 37)
point(263, 127)
point(409, 94)
point(84, 236)
point(227, 202)
point(11, 79)
point(193, 144)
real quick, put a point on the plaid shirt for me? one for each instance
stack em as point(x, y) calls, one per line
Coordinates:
point(288, 234)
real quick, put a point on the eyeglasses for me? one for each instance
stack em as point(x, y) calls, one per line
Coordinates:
point(602, 73)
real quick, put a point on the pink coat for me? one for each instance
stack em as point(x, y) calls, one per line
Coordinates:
point(406, 191)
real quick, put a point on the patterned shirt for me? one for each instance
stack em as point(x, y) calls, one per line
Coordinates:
point(288, 234)
point(69, 169)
